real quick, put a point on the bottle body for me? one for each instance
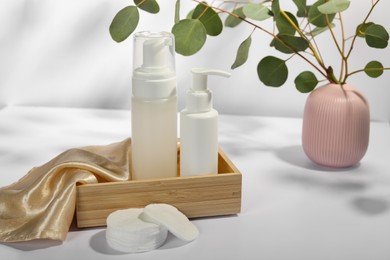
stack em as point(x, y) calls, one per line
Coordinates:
point(154, 107)
point(198, 143)
point(154, 138)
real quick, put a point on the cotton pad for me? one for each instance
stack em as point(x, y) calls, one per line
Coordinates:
point(170, 217)
point(126, 232)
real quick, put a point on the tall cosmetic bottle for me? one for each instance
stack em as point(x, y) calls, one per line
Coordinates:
point(154, 107)
point(199, 128)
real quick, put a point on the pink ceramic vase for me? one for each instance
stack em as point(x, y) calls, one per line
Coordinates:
point(336, 125)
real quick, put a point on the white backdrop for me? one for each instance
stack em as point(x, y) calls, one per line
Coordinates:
point(60, 53)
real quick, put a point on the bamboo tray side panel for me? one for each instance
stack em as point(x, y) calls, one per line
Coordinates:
point(197, 196)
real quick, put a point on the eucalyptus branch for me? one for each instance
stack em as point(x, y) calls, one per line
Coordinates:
point(235, 16)
point(274, 36)
point(335, 42)
point(344, 60)
point(315, 42)
point(203, 12)
point(365, 69)
point(286, 45)
point(317, 57)
point(360, 26)
point(288, 35)
point(289, 58)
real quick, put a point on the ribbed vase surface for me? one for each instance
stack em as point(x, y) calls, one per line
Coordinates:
point(336, 125)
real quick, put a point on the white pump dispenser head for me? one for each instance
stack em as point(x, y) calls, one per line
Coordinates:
point(153, 53)
point(199, 97)
point(154, 65)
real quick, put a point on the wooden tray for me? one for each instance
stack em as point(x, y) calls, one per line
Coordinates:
point(197, 196)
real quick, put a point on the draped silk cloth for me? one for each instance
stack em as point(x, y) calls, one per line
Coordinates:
point(41, 205)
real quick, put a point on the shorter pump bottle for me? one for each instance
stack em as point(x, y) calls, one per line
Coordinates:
point(199, 127)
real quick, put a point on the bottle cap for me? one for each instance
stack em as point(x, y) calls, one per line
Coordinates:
point(154, 65)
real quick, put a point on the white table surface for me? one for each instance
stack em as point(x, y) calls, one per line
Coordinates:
point(291, 208)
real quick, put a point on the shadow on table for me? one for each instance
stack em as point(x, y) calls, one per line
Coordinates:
point(296, 156)
point(34, 244)
point(99, 244)
point(368, 205)
point(338, 183)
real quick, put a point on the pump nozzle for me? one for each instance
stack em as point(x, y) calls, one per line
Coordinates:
point(153, 65)
point(199, 98)
point(200, 77)
point(154, 53)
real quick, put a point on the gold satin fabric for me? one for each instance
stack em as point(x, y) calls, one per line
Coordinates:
point(41, 205)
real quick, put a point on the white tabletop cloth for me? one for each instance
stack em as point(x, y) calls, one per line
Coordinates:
point(291, 208)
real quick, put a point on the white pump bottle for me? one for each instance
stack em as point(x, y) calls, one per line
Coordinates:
point(199, 128)
point(154, 107)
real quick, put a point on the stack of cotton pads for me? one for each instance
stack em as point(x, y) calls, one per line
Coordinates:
point(140, 230)
point(127, 233)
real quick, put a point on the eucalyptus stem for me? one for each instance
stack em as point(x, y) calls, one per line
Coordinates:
point(317, 62)
point(140, 3)
point(365, 69)
point(236, 16)
point(344, 60)
point(315, 42)
point(286, 45)
point(289, 58)
point(341, 52)
point(317, 57)
point(273, 35)
point(204, 11)
point(358, 29)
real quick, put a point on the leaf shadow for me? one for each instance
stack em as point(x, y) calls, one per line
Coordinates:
point(371, 205)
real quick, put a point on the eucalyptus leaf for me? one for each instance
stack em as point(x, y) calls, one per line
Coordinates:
point(190, 36)
point(361, 29)
point(334, 6)
point(232, 21)
point(281, 47)
point(374, 69)
point(377, 36)
point(210, 19)
point(318, 30)
point(242, 53)
point(124, 23)
point(316, 17)
point(150, 6)
point(306, 82)
point(284, 26)
point(272, 71)
point(294, 43)
point(275, 7)
point(302, 8)
point(190, 13)
point(177, 11)
point(258, 12)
